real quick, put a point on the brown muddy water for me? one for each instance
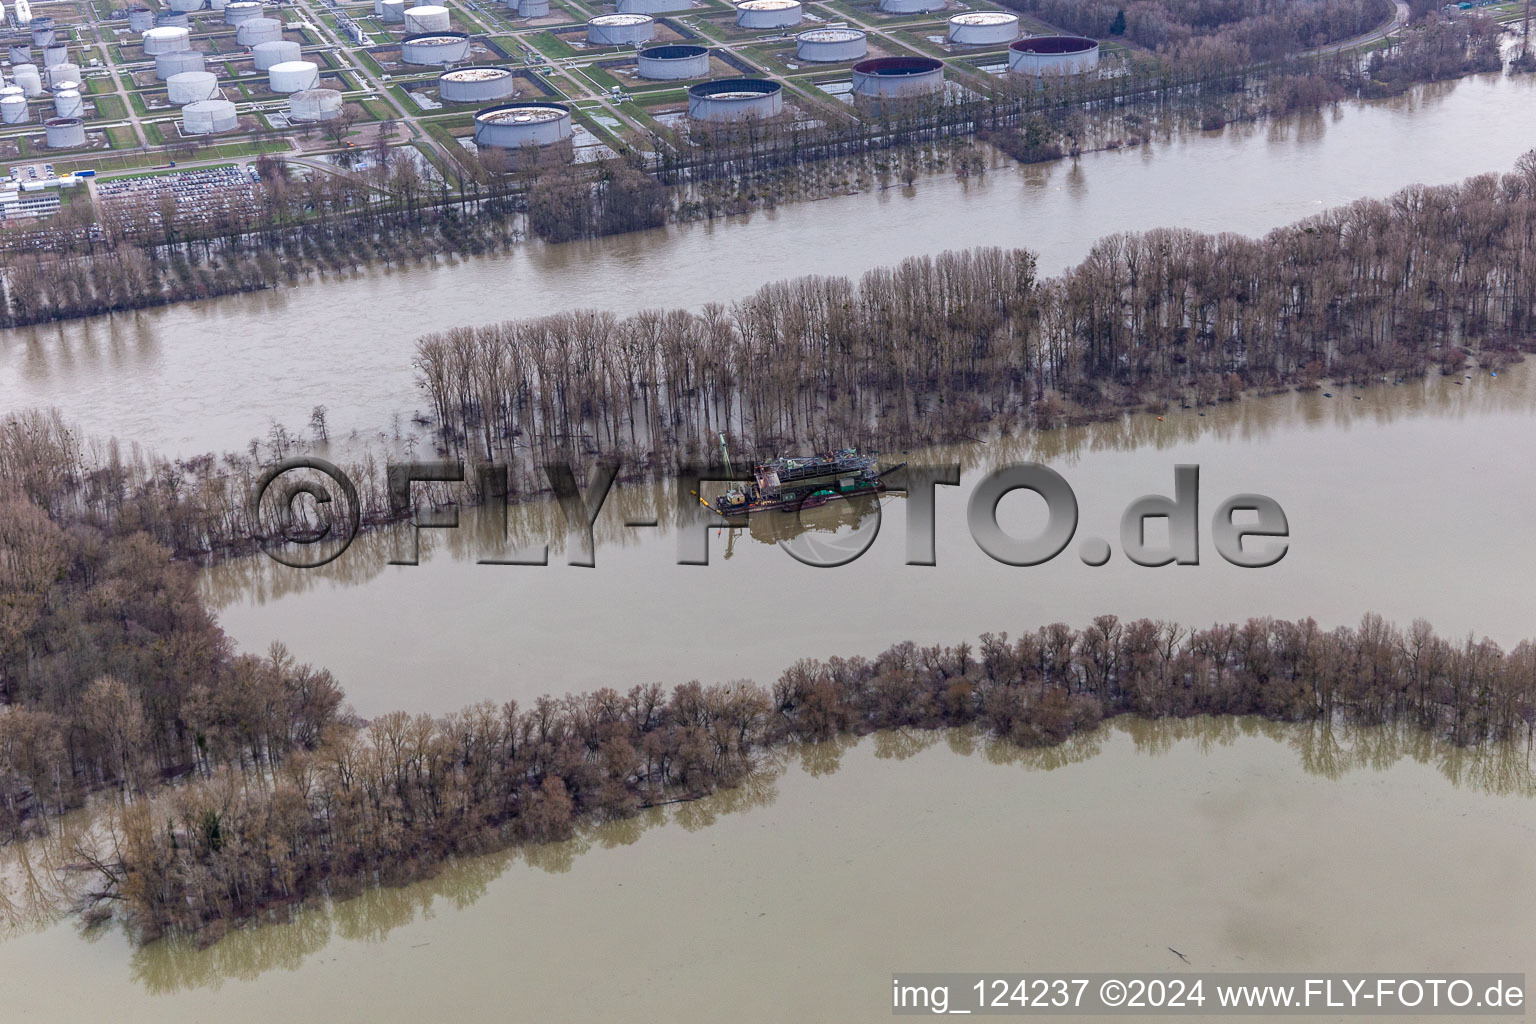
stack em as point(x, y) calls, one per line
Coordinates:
point(212, 375)
point(1249, 846)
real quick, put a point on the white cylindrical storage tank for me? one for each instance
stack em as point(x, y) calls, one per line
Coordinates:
point(64, 132)
point(21, 53)
point(378, 7)
point(831, 44)
point(168, 64)
point(981, 28)
point(476, 85)
point(890, 78)
point(620, 29)
point(666, 63)
point(394, 12)
point(62, 73)
point(217, 5)
point(314, 105)
point(435, 48)
point(735, 99)
point(274, 51)
point(426, 18)
point(652, 6)
point(516, 125)
point(191, 86)
point(172, 19)
point(208, 116)
point(26, 76)
point(185, 6)
point(13, 109)
point(529, 8)
point(910, 6)
point(53, 55)
point(768, 13)
point(258, 30)
point(1044, 56)
point(68, 103)
point(237, 11)
point(43, 35)
point(293, 76)
point(164, 39)
point(141, 19)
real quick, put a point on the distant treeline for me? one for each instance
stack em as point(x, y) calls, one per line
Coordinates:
point(289, 811)
point(939, 349)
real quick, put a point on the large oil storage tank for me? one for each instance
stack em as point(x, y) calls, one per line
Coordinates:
point(314, 105)
point(26, 76)
point(768, 13)
point(652, 6)
point(172, 19)
point(426, 18)
point(831, 44)
point(55, 55)
point(206, 117)
point(735, 99)
point(982, 28)
point(13, 109)
point(476, 85)
point(529, 8)
point(274, 51)
point(217, 5)
point(68, 103)
point(1045, 56)
point(168, 64)
point(258, 30)
point(890, 78)
point(191, 86)
point(911, 6)
point(21, 53)
point(435, 48)
point(674, 61)
point(62, 73)
point(185, 6)
point(141, 19)
point(620, 29)
point(166, 39)
point(293, 76)
point(64, 132)
point(42, 32)
point(516, 125)
point(393, 11)
point(241, 10)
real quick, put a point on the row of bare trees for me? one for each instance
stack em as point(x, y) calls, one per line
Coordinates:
point(394, 797)
point(938, 348)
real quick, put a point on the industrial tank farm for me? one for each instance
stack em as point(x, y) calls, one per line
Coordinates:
point(735, 99)
point(206, 117)
point(435, 48)
point(1045, 56)
point(274, 51)
point(426, 18)
point(476, 85)
point(191, 86)
point(522, 124)
point(768, 13)
point(293, 76)
point(983, 28)
point(652, 6)
point(314, 105)
point(168, 64)
point(889, 78)
point(620, 29)
point(668, 63)
point(64, 132)
point(831, 44)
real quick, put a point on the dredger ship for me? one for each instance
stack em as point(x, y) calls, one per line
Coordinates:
point(791, 484)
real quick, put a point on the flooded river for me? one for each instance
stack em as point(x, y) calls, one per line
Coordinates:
point(1408, 500)
point(212, 375)
point(1247, 846)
